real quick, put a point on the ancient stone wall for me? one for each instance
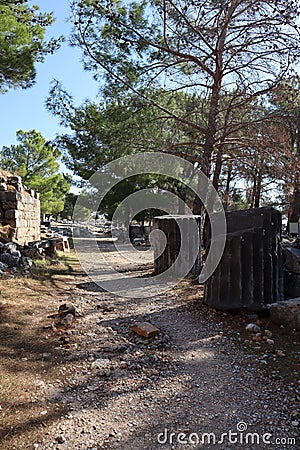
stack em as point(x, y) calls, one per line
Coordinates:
point(19, 211)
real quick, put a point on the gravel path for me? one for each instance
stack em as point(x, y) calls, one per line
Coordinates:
point(201, 377)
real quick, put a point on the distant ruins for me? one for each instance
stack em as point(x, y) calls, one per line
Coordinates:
point(19, 211)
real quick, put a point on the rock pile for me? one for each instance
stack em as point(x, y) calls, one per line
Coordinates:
point(13, 260)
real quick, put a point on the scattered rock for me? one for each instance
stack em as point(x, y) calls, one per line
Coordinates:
point(145, 329)
point(286, 313)
point(26, 262)
point(280, 353)
point(253, 328)
point(67, 320)
point(102, 363)
point(60, 439)
point(268, 333)
point(92, 387)
point(10, 260)
point(66, 309)
point(3, 267)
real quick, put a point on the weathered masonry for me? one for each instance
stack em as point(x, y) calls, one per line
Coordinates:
point(19, 211)
point(179, 252)
point(250, 273)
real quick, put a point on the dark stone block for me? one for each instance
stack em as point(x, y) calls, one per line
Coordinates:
point(249, 275)
point(291, 284)
point(291, 257)
point(183, 245)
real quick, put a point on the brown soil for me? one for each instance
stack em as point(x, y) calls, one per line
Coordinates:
point(98, 385)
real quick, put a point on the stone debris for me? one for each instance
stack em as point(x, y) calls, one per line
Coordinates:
point(60, 439)
point(12, 260)
point(280, 353)
point(253, 328)
point(286, 313)
point(257, 337)
point(67, 320)
point(145, 329)
point(117, 389)
point(66, 309)
point(102, 363)
point(6, 233)
point(268, 334)
point(103, 366)
point(64, 318)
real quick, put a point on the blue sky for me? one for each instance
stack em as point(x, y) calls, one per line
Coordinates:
point(25, 109)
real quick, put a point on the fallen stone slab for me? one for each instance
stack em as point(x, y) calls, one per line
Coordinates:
point(145, 329)
point(286, 313)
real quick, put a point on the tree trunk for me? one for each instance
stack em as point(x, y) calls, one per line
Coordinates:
point(294, 212)
point(217, 171)
point(258, 190)
point(209, 143)
point(227, 188)
point(253, 193)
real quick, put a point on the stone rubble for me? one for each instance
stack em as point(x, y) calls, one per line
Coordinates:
point(286, 313)
point(122, 389)
point(13, 261)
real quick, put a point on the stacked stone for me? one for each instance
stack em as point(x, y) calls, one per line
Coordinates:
point(19, 209)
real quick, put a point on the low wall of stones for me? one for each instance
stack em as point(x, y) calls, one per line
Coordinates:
point(19, 211)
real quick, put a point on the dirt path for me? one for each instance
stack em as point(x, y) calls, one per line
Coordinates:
point(100, 386)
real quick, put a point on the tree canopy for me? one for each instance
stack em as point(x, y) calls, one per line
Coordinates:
point(36, 161)
point(104, 130)
point(209, 49)
point(22, 42)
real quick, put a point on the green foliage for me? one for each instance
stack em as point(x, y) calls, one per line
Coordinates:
point(36, 161)
point(207, 50)
point(22, 43)
point(109, 129)
point(105, 131)
point(67, 212)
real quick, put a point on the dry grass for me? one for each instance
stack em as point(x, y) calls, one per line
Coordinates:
point(25, 304)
